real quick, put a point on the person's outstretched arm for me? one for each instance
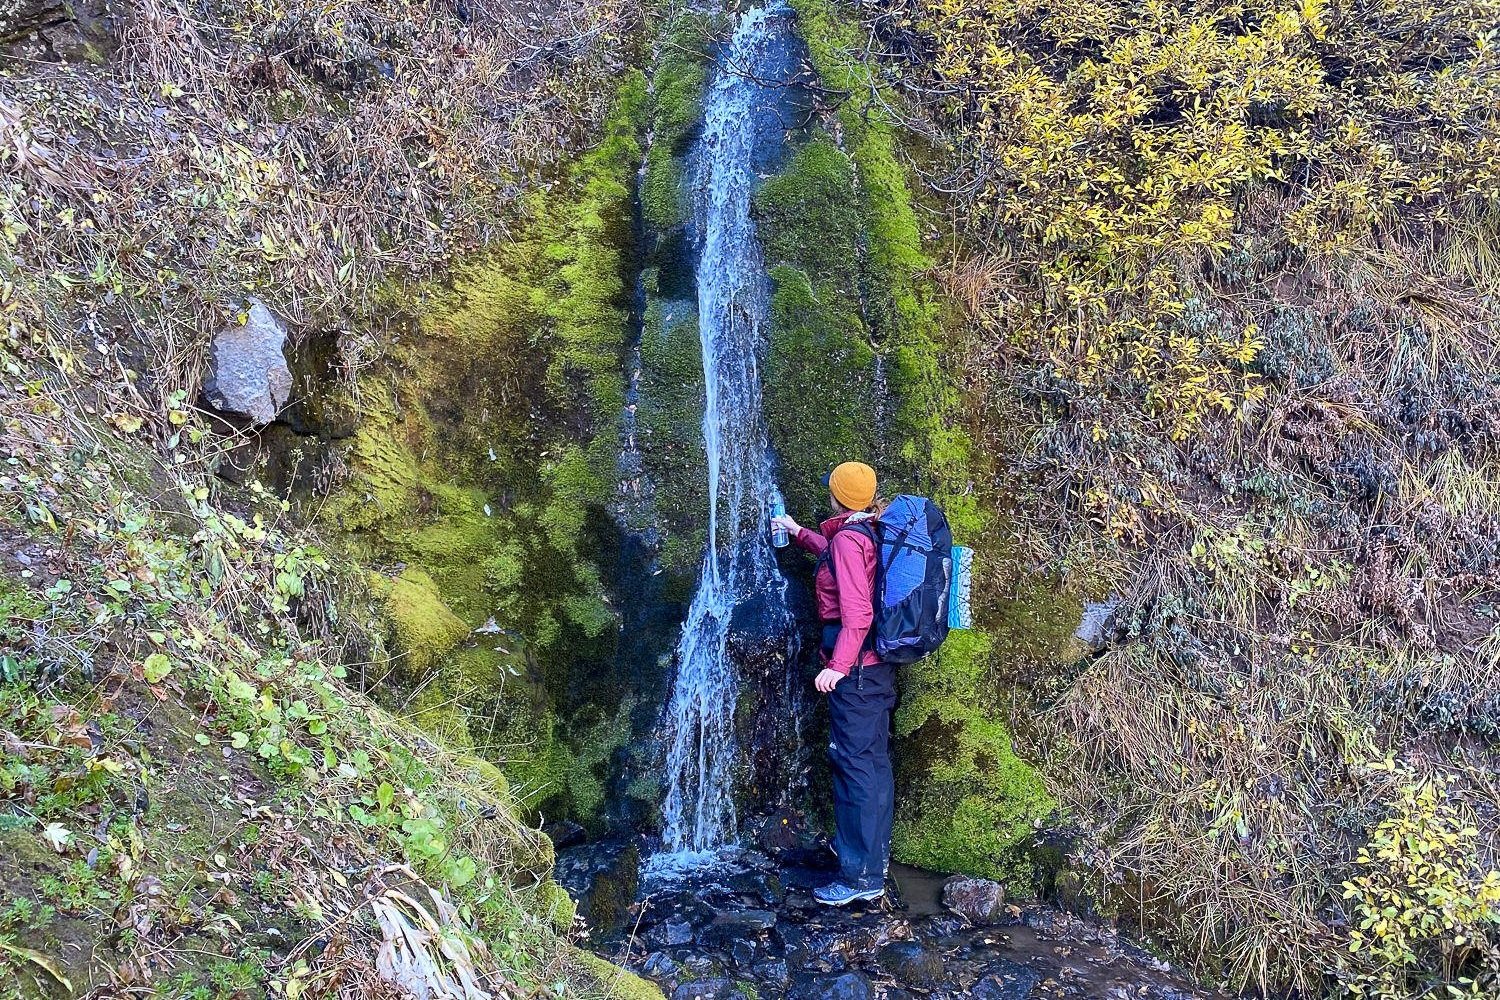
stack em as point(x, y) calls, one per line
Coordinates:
point(806, 538)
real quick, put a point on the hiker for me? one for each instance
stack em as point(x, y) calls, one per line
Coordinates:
point(861, 689)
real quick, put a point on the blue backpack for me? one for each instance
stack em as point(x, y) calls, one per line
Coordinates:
point(921, 579)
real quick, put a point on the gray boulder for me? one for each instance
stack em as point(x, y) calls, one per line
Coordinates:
point(248, 375)
point(1098, 624)
point(977, 900)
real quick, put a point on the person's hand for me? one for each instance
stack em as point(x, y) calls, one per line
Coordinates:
point(827, 679)
point(785, 523)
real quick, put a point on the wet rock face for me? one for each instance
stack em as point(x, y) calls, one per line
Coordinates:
point(605, 880)
point(751, 928)
point(670, 933)
point(849, 986)
point(18, 18)
point(977, 900)
point(1006, 981)
point(565, 833)
point(761, 643)
point(248, 375)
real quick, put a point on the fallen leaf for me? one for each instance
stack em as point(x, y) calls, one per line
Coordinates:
point(58, 836)
point(128, 423)
point(39, 960)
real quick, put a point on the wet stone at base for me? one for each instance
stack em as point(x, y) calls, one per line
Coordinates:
point(849, 986)
point(910, 963)
point(1005, 980)
point(705, 989)
point(747, 926)
point(977, 900)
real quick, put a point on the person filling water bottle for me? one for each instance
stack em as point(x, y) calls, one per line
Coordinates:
point(861, 689)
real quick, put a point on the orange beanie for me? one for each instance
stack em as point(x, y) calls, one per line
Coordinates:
point(853, 485)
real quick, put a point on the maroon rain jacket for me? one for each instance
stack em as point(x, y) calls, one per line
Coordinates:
point(845, 594)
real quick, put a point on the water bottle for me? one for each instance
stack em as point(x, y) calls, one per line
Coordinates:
point(778, 507)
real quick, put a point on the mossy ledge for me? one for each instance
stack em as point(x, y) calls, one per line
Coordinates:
point(821, 367)
point(671, 387)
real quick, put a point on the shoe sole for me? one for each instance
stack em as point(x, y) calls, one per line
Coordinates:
point(867, 895)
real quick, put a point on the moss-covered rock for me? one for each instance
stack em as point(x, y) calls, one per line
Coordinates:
point(614, 890)
point(613, 981)
point(965, 800)
point(967, 803)
point(819, 400)
point(554, 903)
point(423, 630)
point(485, 462)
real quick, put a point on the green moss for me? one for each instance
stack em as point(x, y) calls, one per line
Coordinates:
point(485, 462)
point(600, 738)
point(615, 982)
point(555, 906)
point(818, 400)
point(809, 216)
point(678, 84)
point(671, 390)
point(17, 602)
point(664, 203)
point(442, 717)
point(422, 627)
point(669, 429)
point(967, 803)
point(614, 890)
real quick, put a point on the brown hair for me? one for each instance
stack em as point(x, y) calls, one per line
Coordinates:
point(877, 506)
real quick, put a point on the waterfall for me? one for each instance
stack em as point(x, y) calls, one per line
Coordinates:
point(739, 569)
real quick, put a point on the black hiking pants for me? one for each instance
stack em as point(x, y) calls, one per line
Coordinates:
point(864, 786)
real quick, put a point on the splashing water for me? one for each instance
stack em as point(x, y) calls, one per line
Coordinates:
point(739, 568)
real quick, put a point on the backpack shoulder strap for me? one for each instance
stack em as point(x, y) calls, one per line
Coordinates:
point(862, 526)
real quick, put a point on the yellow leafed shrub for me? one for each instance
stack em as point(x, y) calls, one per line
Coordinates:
point(1105, 147)
point(1422, 898)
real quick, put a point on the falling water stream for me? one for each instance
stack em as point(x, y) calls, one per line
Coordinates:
point(739, 568)
point(708, 916)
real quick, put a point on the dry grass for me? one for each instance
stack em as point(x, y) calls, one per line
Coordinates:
point(309, 153)
point(1312, 590)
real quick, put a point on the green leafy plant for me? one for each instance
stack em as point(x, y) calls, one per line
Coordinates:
point(1423, 901)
